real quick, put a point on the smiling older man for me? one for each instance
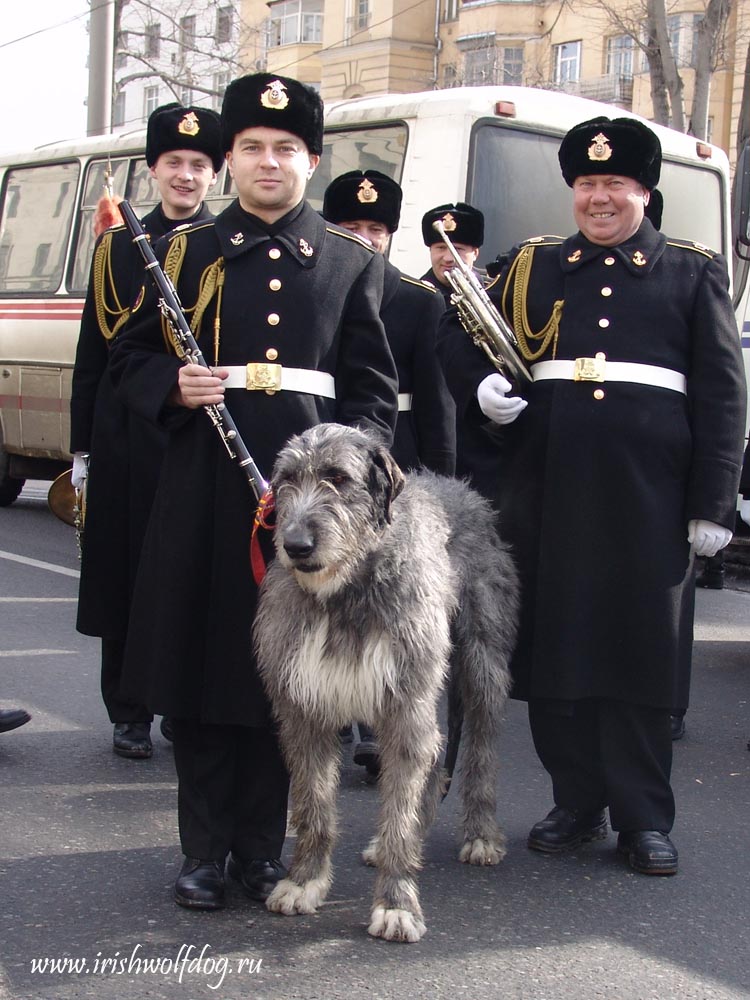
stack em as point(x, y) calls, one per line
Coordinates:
point(619, 464)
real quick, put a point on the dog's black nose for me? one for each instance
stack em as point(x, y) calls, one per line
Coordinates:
point(298, 542)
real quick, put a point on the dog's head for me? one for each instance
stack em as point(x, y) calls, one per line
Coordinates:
point(334, 488)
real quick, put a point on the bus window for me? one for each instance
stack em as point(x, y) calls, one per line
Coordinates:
point(681, 185)
point(93, 190)
point(37, 209)
point(371, 148)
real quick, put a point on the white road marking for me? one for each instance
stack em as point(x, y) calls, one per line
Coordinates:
point(52, 567)
point(38, 652)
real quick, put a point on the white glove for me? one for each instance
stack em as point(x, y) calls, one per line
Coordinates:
point(707, 538)
point(495, 404)
point(80, 469)
point(745, 511)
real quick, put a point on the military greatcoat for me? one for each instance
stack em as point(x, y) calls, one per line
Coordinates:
point(600, 480)
point(425, 434)
point(302, 294)
point(125, 450)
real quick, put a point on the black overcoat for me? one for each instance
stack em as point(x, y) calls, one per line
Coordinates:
point(311, 293)
point(125, 450)
point(425, 435)
point(598, 493)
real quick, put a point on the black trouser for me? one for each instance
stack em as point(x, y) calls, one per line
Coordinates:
point(232, 791)
point(607, 753)
point(118, 710)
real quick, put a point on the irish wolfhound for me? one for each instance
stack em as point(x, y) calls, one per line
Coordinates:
point(379, 581)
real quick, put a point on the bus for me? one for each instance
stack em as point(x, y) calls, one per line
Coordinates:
point(494, 147)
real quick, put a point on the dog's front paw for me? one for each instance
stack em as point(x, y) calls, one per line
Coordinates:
point(483, 851)
point(396, 925)
point(370, 853)
point(289, 898)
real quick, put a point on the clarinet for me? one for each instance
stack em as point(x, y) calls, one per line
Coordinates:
point(188, 351)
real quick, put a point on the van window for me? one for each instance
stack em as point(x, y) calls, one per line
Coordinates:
point(370, 148)
point(514, 178)
point(37, 208)
point(92, 191)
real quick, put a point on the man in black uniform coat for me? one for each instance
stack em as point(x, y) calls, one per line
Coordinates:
point(286, 310)
point(369, 204)
point(183, 152)
point(620, 464)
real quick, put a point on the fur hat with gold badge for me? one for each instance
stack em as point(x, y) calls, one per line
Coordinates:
point(463, 223)
point(621, 146)
point(173, 126)
point(268, 101)
point(363, 194)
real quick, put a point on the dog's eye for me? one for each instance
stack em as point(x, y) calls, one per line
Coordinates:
point(336, 478)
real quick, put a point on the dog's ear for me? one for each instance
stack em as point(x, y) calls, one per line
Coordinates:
point(387, 480)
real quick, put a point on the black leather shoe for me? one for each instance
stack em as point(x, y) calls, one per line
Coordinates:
point(563, 829)
point(200, 885)
point(132, 739)
point(677, 726)
point(12, 718)
point(165, 726)
point(367, 754)
point(257, 878)
point(649, 852)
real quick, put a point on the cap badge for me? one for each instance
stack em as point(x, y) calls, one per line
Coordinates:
point(189, 124)
point(237, 240)
point(366, 193)
point(275, 96)
point(449, 223)
point(305, 248)
point(575, 256)
point(638, 259)
point(600, 148)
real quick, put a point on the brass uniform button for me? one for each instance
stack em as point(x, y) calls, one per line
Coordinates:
point(603, 323)
point(606, 291)
point(598, 393)
point(274, 253)
point(609, 261)
point(274, 284)
point(273, 319)
point(271, 354)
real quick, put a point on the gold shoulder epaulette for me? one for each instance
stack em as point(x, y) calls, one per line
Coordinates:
point(111, 314)
point(188, 229)
point(419, 283)
point(211, 283)
point(543, 241)
point(351, 236)
point(692, 245)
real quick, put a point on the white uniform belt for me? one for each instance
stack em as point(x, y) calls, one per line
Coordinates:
point(404, 401)
point(601, 370)
point(262, 375)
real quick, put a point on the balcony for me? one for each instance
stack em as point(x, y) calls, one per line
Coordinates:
point(613, 89)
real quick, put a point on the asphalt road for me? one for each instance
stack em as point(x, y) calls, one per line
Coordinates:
point(89, 850)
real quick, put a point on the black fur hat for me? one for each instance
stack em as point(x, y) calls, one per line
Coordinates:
point(173, 126)
point(622, 146)
point(462, 223)
point(364, 194)
point(270, 101)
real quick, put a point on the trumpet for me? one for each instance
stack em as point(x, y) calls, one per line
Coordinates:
point(480, 318)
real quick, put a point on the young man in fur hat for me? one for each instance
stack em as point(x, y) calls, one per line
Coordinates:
point(464, 225)
point(282, 293)
point(369, 204)
point(620, 464)
point(183, 152)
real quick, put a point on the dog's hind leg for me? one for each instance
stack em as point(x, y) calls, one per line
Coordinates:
point(409, 745)
point(313, 757)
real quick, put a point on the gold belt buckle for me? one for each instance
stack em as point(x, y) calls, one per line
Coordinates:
point(261, 375)
point(590, 369)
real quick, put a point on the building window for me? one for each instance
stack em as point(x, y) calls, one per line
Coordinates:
point(295, 21)
point(221, 82)
point(150, 100)
point(480, 67)
point(118, 110)
point(121, 55)
point(152, 41)
point(567, 62)
point(187, 33)
point(620, 49)
point(512, 75)
point(450, 77)
point(224, 17)
point(449, 10)
point(683, 37)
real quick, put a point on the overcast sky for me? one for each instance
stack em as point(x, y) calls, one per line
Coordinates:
point(43, 77)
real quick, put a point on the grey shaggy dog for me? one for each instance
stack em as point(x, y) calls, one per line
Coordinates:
point(384, 587)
